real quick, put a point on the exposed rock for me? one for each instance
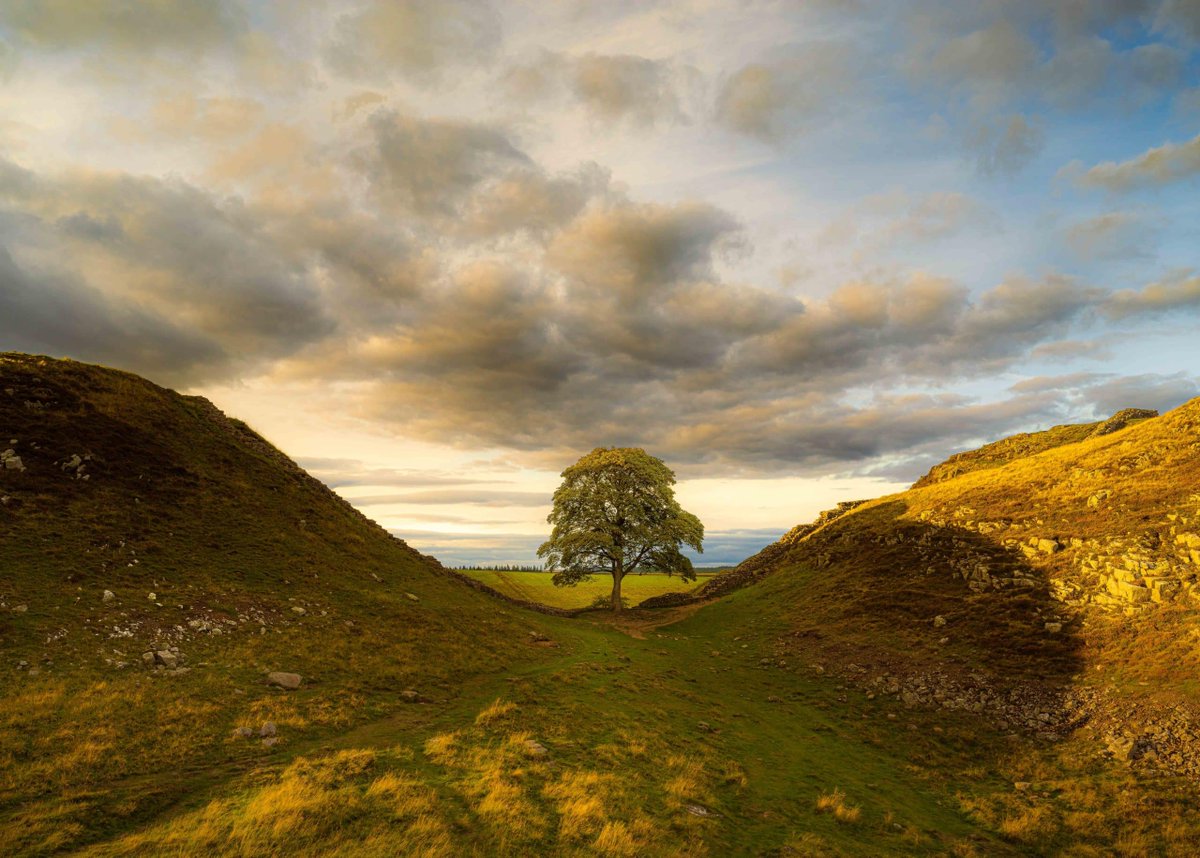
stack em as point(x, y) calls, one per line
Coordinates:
point(290, 681)
point(1122, 419)
point(11, 460)
point(1049, 546)
point(534, 748)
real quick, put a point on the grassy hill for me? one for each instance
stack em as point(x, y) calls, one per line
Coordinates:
point(799, 716)
point(537, 587)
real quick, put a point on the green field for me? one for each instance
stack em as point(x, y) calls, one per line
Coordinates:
point(537, 587)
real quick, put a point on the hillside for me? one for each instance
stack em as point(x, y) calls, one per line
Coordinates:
point(1028, 444)
point(159, 560)
point(135, 521)
point(1053, 586)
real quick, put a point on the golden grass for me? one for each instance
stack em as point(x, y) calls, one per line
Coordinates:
point(498, 710)
point(835, 803)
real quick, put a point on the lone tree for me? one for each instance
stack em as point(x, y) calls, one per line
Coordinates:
point(616, 513)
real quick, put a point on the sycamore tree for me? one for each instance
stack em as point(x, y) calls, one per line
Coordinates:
point(615, 513)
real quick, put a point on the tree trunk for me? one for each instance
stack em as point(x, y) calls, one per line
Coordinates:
point(616, 591)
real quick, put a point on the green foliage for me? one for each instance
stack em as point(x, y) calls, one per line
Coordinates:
point(616, 512)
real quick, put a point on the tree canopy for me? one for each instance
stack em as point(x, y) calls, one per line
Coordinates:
point(616, 513)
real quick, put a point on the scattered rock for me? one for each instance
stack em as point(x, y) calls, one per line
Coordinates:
point(296, 609)
point(152, 596)
point(267, 729)
point(270, 742)
point(939, 621)
point(698, 810)
point(534, 748)
point(243, 732)
point(108, 596)
point(1021, 786)
point(1054, 628)
point(11, 460)
point(1049, 546)
point(408, 695)
point(148, 657)
point(411, 597)
point(290, 681)
point(537, 637)
point(20, 609)
point(166, 658)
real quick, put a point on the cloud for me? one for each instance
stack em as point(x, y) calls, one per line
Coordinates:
point(1151, 390)
point(896, 218)
point(610, 87)
point(1180, 293)
point(385, 38)
point(1171, 162)
point(166, 250)
point(346, 473)
point(430, 166)
point(773, 100)
point(448, 497)
point(625, 87)
point(1004, 144)
point(45, 312)
point(1112, 236)
point(122, 25)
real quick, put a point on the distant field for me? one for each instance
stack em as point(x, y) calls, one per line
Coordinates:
point(537, 587)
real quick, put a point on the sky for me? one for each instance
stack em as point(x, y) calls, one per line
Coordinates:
point(438, 251)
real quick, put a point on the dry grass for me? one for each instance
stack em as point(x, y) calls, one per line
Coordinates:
point(835, 803)
point(497, 711)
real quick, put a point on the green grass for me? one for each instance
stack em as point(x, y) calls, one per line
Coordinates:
point(105, 760)
point(537, 587)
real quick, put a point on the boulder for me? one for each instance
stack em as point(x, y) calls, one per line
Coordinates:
point(290, 681)
point(1049, 546)
point(108, 596)
point(267, 729)
point(534, 748)
point(166, 658)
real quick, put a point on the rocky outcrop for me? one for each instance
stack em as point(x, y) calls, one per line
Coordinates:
point(1027, 444)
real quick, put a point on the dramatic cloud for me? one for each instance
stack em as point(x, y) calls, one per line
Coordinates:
point(510, 230)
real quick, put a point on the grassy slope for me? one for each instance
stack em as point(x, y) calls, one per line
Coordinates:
point(1026, 444)
point(860, 595)
point(537, 587)
point(102, 760)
